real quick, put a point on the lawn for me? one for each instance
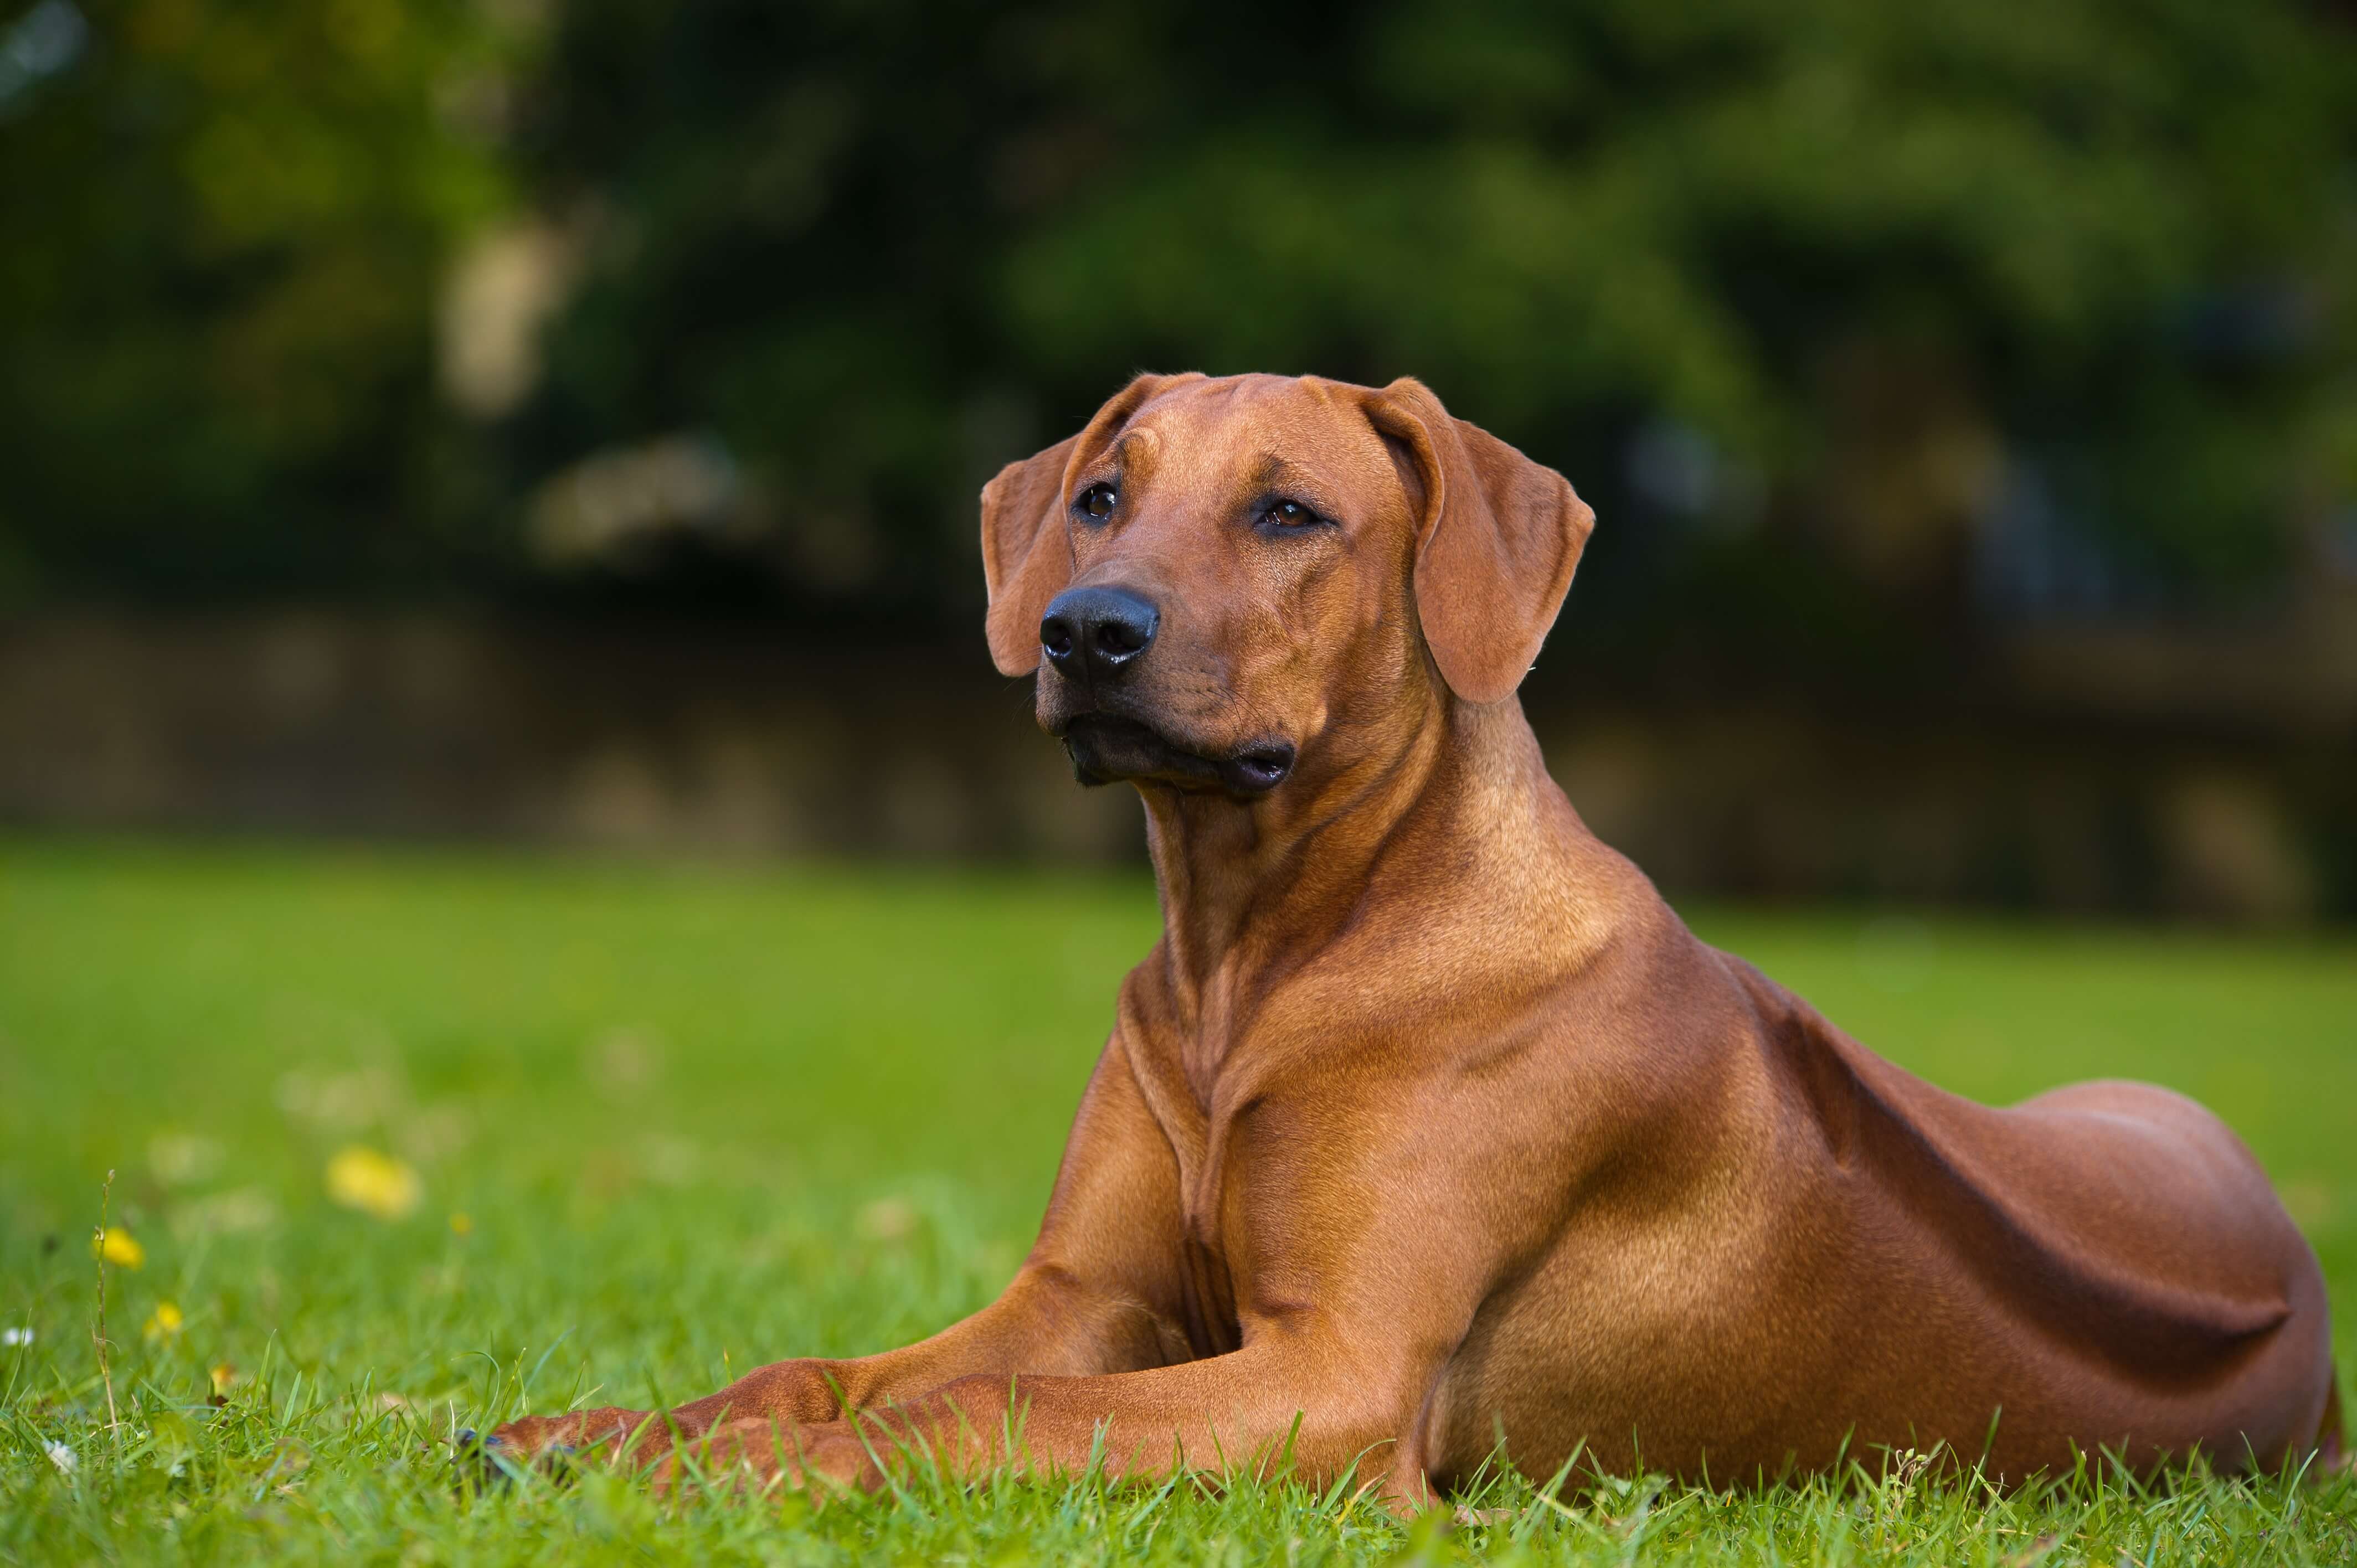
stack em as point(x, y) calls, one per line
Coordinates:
point(631, 1130)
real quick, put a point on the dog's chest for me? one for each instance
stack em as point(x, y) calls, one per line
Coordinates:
point(1209, 1300)
point(1197, 1116)
point(1217, 1072)
point(1199, 1137)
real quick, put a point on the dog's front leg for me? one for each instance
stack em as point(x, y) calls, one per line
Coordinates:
point(1045, 1320)
point(1313, 1402)
point(1095, 1296)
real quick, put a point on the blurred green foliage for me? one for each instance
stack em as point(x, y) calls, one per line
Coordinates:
point(226, 228)
point(1799, 293)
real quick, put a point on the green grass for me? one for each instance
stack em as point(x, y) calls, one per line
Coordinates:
point(697, 1121)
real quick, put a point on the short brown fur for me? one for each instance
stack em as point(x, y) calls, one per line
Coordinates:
point(1427, 1125)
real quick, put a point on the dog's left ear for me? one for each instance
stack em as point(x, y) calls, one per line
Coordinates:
point(1496, 546)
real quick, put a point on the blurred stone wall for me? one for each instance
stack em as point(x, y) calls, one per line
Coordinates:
point(442, 728)
point(721, 743)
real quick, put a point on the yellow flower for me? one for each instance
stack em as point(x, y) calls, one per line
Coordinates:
point(224, 1378)
point(374, 1182)
point(164, 1322)
point(115, 1245)
point(460, 1225)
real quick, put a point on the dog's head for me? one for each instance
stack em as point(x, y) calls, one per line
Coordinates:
point(1222, 577)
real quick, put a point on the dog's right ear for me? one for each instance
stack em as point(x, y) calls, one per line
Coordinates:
point(1027, 553)
point(1026, 546)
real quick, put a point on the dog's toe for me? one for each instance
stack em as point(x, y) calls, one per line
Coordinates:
point(479, 1460)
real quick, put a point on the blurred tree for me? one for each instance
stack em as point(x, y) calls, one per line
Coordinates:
point(227, 225)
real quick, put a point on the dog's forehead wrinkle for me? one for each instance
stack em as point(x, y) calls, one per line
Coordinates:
point(1276, 471)
point(1133, 455)
point(1218, 468)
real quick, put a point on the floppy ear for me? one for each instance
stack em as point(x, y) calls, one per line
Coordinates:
point(1026, 554)
point(1495, 547)
point(1026, 549)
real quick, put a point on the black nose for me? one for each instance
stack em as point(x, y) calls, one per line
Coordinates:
point(1094, 632)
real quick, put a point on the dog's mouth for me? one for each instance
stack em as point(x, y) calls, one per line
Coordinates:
point(1109, 747)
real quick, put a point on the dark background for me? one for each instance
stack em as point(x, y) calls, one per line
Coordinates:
point(561, 421)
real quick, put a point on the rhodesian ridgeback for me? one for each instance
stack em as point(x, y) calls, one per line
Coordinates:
point(1427, 1130)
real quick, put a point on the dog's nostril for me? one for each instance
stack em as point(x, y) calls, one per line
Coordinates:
point(1116, 640)
point(1062, 633)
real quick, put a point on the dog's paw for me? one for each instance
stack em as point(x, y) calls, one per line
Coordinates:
point(482, 1460)
point(552, 1444)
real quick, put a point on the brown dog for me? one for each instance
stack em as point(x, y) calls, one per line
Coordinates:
point(1427, 1126)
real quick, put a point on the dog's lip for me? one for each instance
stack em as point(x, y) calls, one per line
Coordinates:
point(1264, 766)
point(1249, 770)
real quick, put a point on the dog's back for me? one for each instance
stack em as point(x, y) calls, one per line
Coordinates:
point(2134, 1284)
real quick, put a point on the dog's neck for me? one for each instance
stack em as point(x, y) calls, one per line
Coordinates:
point(1459, 807)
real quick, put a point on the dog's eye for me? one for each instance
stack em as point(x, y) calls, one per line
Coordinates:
point(1097, 502)
point(1289, 514)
